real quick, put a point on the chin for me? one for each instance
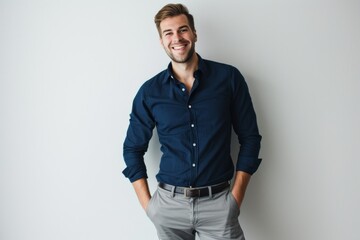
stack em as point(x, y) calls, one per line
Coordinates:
point(183, 59)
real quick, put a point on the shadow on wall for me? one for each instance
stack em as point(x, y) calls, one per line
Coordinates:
point(152, 160)
point(256, 217)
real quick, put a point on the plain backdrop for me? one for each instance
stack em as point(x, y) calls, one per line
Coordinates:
point(69, 71)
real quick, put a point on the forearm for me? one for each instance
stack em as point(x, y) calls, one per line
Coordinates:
point(241, 182)
point(142, 191)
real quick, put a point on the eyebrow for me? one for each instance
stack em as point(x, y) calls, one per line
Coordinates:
point(169, 30)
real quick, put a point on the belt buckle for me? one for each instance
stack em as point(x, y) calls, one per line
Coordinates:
point(191, 192)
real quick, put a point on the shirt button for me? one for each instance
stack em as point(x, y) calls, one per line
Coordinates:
point(194, 144)
point(189, 106)
point(193, 164)
point(192, 125)
point(183, 89)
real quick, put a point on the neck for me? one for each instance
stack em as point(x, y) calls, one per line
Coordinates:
point(184, 72)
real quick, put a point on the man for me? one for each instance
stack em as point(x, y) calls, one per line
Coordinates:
point(193, 104)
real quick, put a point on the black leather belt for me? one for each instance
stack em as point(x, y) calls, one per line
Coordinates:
point(195, 192)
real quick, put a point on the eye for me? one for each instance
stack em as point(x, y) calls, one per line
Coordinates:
point(183, 30)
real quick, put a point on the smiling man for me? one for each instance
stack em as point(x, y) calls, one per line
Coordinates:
point(194, 105)
point(177, 39)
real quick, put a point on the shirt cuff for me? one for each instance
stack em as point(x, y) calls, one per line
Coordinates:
point(248, 164)
point(135, 172)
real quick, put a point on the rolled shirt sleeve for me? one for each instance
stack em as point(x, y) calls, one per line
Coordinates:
point(245, 126)
point(138, 136)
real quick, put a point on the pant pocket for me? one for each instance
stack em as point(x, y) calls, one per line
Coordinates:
point(234, 208)
point(149, 209)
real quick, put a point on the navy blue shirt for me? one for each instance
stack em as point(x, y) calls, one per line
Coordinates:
point(194, 128)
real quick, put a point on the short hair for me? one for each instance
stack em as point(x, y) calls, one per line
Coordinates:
point(173, 10)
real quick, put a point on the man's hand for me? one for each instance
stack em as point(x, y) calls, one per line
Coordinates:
point(241, 181)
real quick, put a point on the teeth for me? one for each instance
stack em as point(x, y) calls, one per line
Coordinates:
point(178, 47)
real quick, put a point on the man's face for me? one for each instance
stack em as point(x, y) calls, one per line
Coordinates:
point(177, 38)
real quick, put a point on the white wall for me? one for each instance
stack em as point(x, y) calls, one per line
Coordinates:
point(69, 71)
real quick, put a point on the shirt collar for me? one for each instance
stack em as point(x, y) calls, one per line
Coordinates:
point(202, 69)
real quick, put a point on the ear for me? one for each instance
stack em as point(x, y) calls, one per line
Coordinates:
point(161, 41)
point(195, 36)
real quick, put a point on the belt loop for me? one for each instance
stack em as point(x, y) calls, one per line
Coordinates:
point(172, 191)
point(210, 192)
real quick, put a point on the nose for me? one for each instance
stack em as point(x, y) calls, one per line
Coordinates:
point(177, 37)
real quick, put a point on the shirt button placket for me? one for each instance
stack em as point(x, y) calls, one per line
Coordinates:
point(194, 142)
point(194, 165)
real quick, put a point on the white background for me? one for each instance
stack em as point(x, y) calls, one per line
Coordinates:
point(70, 69)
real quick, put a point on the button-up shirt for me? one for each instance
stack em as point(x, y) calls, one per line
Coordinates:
point(194, 128)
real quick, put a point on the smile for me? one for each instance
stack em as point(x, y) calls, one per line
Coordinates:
point(181, 47)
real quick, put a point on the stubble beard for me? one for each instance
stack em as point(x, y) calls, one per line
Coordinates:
point(184, 59)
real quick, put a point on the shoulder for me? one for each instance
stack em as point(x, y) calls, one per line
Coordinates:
point(155, 82)
point(219, 67)
point(227, 74)
point(217, 64)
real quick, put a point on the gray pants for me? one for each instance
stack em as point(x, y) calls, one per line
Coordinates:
point(211, 218)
